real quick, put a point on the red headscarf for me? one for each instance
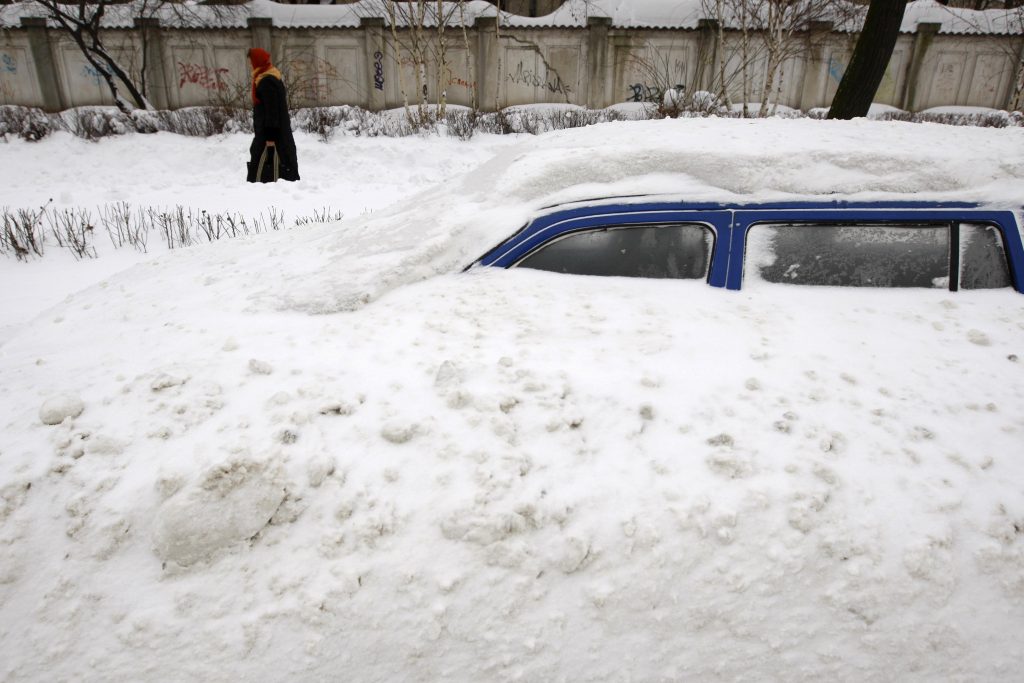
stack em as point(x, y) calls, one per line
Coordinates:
point(260, 60)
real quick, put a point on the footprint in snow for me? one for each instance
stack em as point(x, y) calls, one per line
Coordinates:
point(978, 337)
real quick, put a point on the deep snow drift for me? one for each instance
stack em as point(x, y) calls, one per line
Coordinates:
point(327, 453)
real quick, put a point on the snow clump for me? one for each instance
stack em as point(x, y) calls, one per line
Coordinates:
point(231, 503)
point(57, 408)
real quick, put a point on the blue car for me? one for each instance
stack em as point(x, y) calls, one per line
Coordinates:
point(899, 244)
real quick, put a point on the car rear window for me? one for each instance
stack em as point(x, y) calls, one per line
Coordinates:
point(903, 255)
point(677, 250)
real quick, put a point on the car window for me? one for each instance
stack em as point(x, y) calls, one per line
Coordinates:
point(849, 255)
point(982, 258)
point(680, 251)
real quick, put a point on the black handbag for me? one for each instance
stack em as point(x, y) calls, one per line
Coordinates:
point(267, 169)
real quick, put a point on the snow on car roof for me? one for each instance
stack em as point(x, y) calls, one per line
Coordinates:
point(699, 160)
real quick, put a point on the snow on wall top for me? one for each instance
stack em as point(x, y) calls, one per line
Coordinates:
point(667, 14)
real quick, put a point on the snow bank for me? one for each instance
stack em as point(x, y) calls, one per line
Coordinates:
point(445, 229)
point(483, 485)
point(514, 475)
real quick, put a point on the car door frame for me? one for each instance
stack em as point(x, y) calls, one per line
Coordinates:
point(747, 217)
point(548, 227)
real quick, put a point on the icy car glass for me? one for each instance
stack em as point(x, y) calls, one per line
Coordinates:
point(909, 244)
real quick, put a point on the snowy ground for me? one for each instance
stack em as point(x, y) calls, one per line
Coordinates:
point(504, 475)
point(352, 175)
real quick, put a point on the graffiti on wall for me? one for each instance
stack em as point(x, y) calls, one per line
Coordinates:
point(651, 93)
point(93, 74)
point(886, 89)
point(310, 79)
point(835, 69)
point(205, 77)
point(548, 80)
point(8, 66)
point(378, 70)
point(452, 79)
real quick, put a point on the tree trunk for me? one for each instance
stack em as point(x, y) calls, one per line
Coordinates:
point(773, 42)
point(470, 55)
point(442, 62)
point(720, 18)
point(744, 57)
point(497, 47)
point(870, 59)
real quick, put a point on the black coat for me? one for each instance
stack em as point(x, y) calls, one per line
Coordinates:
point(271, 124)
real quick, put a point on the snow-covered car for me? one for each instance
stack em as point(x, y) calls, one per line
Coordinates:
point(875, 244)
point(335, 452)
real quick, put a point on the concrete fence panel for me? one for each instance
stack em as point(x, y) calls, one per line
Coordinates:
point(373, 66)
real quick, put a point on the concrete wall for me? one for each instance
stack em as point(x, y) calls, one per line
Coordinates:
point(596, 66)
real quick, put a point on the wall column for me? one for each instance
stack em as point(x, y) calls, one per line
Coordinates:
point(155, 74)
point(373, 37)
point(813, 88)
point(42, 57)
point(923, 39)
point(597, 61)
point(259, 31)
point(706, 70)
point(488, 87)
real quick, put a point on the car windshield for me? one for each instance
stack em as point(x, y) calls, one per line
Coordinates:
point(678, 251)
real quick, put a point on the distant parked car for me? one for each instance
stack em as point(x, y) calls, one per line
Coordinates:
point(897, 244)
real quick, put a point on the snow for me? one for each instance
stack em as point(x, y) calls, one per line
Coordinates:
point(774, 109)
point(58, 408)
point(966, 111)
point(328, 450)
point(877, 110)
point(962, 21)
point(355, 176)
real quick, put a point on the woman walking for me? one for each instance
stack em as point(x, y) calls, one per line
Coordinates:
point(272, 153)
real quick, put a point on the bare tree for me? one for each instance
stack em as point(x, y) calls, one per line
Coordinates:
point(870, 58)
point(470, 61)
point(83, 21)
point(784, 23)
point(501, 75)
point(442, 61)
point(771, 33)
point(719, 14)
point(418, 39)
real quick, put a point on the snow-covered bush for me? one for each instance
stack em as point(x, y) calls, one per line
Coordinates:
point(461, 124)
point(541, 118)
point(25, 233)
point(967, 116)
point(28, 123)
point(322, 121)
point(93, 123)
point(73, 230)
point(193, 121)
point(21, 233)
point(705, 103)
